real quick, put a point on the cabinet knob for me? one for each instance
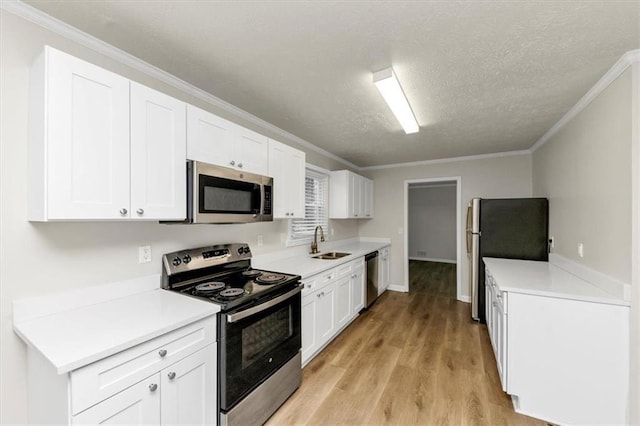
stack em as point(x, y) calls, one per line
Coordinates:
point(162, 352)
point(286, 214)
point(171, 375)
point(319, 295)
point(140, 211)
point(232, 163)
point(499, 296)
point(123, 211)
point(153, 387)
point(239, 165)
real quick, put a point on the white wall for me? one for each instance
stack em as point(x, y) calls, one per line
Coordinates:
point(42, 258)
point(585, 171)
point(493, 177)
point(432, 223)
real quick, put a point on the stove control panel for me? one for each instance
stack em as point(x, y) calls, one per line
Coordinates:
point(203, 257)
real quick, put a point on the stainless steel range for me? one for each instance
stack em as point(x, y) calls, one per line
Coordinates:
point(259, 361)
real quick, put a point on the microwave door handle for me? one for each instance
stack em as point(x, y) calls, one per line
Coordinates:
point(263, 306)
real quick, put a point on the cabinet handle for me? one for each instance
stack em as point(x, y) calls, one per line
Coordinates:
point(123, 211)
point(494, 304)
point(162, 353)
point(232, 163)
point(239, 165)
point(140, 211)
point(355, 215)
point(171, 375)
point(153, 387)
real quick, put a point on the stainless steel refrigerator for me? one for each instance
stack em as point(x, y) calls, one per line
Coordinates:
point(513, 228)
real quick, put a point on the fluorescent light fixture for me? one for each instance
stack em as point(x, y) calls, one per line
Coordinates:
point(389, 86)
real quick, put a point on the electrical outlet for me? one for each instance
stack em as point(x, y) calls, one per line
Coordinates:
point(260, 240)
point(422, 253)
point(581, 250)
point(551, 243)
point(144, 254)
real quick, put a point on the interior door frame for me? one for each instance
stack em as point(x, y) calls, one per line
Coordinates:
point(458, 182)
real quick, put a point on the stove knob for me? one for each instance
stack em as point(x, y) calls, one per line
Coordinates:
point(186, 259)
point(240, 251)
point(246, 250)
point(176, 261)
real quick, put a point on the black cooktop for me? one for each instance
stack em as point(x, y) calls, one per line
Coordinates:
point(239, 288)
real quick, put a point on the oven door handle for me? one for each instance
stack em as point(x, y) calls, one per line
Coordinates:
point(255, 309)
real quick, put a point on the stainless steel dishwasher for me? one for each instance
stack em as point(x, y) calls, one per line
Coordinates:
point(372, 278)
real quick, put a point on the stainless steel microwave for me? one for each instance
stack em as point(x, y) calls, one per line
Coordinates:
point(217, 194)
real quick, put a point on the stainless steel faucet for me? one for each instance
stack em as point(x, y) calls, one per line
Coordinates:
point(314, 243)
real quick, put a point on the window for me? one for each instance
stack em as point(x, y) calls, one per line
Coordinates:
point(316, 189)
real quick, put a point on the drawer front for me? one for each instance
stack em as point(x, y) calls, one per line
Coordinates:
point(344, 270)
point(309, 286)
point(100, 380)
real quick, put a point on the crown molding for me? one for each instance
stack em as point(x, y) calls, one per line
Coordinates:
point(609, 77)
point(449, 160)
point(61, 28)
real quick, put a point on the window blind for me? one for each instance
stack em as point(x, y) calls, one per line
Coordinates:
point(316, 190)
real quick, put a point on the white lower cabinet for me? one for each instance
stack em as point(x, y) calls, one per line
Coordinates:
point(562, 360)
point(343, 301)
point(357, 289)
point(383, 269)
point(168, 380)
point(179, 395)
point(330, 301)
point(137, 405)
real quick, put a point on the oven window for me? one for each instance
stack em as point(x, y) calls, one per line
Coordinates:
point(227, 200)
point(265, 335)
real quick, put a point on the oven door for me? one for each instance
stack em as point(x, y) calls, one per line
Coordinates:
point(255, 342)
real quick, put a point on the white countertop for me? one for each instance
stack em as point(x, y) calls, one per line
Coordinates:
point(306, 266)
point(546, 279)
point(76, 337)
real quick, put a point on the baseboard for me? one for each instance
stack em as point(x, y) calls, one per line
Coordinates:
point(465, 299)
point(398, 288)
point(431, 259)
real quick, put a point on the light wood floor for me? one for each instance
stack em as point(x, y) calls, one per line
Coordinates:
point(412, 358)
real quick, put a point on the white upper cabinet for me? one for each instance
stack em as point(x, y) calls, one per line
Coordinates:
point(78, 140)
point(81, 157)
point(351, 196)
point(287, 168)
point(158, 153)
point(214, 140)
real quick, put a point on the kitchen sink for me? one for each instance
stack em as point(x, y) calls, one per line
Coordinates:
point(333, 255)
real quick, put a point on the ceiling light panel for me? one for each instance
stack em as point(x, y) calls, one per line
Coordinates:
point(389, 86)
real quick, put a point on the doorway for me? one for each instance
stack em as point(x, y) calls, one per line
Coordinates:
point(433, 227)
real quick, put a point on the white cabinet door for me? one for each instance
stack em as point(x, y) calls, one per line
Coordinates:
point(136, 405)
point(252, 151)
point(326, 316)
point(343, 302)
point(158, 155)
point(368, 198)
point(354, 195)
point(287, 167)
point(79, 140)
point(309, 327)
point(189, 390)
point(383, 270)
point(357, 290)
point(210, 139)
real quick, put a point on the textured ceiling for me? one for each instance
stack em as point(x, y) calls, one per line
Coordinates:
point(481, 76)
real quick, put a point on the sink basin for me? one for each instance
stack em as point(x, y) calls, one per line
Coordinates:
point(333, 255)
